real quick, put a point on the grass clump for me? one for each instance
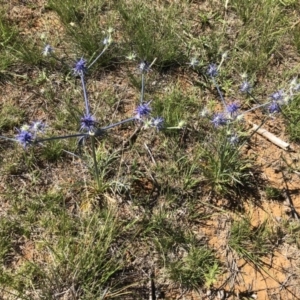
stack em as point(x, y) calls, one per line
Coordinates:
point(53, 151)
point(197, 267)
point(223, 165)
point(292, 119)
point(175, 106)
point(8, 39)
point(249, 242)
point(10, 116)
point(77, 257)
point(153, 32)
point(292, 230)
point(273, 193)
point(16, 48)
point(82, 22)
point(264, 26)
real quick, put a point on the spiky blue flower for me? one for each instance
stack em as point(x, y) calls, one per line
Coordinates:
point(24, 137)
point(144, 66)
point(88, 123)
point(277, 96)
point(80, 67)
point(157, 122)
point(232, 107)
point(245, 87)
point(143, 110)
point(274, 107)
point(212, 70)
point(219, 119)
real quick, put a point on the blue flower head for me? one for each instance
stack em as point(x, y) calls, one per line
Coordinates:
point(219, 120)
point(80, 67)
point(88, 123)
point(157, 122)
point(212, 70)
point(277, 96)
point(245, 87)
point(143, 110)
point(232, 107)
point(24, 137)
point(274, 107)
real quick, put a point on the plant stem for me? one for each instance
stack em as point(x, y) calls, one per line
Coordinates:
point(118, 123)
point(85, 94)
point(219, 91)
point(258, 127)
point(9, 139)
point(255, 107)
point(97, 57)
point(251, 95)
point(61, 137)
point(143, 89)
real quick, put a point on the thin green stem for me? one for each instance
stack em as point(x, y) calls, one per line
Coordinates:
point(61, 137)
point(92, 63)
point(255, 107)
point(87, 109)
point(118, 123)
point(143, 88)
point(219, 91)
point(251, 95)
point(7, 138)
point(260, 125)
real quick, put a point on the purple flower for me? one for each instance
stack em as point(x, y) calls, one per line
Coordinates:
point(232, 107)
point(212, 70)
point(87, 123)
point(245, 87)
point(79, 67)
point(24, 137)
point(274, 107)
point(157, 122)
point(144, 66)
point(143, 110)
point(219, 120)
point(277, 96)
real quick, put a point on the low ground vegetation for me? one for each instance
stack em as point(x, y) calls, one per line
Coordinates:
point(132, 161)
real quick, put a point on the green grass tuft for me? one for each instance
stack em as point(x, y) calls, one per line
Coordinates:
point(224, 167)
point(197, 267)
